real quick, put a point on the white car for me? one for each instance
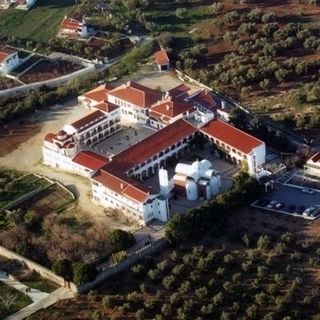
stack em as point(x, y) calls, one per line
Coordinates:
point(271, 204)
point(308, 190)
point(309, 211)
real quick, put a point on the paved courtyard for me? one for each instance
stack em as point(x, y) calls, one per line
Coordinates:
point(123, 139)
point(227, 171)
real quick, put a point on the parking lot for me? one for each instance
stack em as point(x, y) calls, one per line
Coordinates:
point(294, 201)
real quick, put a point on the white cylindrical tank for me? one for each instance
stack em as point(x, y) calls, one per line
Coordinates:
point(208, 191)
point(215, 184)
point(191, 190)
point(205, 165)
point(186, 170)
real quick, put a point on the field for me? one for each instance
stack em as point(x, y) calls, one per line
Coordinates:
point(48, 69)
point(258, 270)
point(13, 189)
point(40, 23)
point(52, 199)
point(20, 302)
point(6, 83)
point(242, 49)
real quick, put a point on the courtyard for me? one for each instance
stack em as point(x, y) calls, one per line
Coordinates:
point(129, 135)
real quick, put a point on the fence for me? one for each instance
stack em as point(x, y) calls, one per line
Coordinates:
point(116, 268)
point(44, 272)
point(49, 83)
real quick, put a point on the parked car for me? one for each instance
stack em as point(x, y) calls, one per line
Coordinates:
point(308, 190)
point(263, 202)
point(309, 211)
point(271, 204)
point(278, 205)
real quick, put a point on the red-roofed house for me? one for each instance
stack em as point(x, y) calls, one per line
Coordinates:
point(9, 59)
point(134, 100)
point(74, 28)
point(162, 60)
point(242, 148)
point(312, 166)
point(168, 111)
point(95, 96)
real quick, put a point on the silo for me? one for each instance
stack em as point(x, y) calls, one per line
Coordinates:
point(191, 190)
point(215, 184)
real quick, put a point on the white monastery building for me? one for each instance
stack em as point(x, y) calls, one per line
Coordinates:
point(120, 181)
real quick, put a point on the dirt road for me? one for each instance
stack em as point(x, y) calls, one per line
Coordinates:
point(28, 155)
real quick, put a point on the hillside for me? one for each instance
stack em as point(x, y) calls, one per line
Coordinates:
point(39, 24)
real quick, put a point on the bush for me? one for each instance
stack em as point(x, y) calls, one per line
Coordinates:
point(83, 272)
point(120, 240)
point(119, 256)
point(62, 268)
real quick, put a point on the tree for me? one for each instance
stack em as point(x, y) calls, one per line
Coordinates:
point(63, 268)
point(238, 118)
point(120, 240)
point(7, 300)
point(82, 273)
point(119, 256)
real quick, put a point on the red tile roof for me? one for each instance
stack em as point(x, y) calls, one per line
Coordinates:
point(181, 91)
point(112, 175)
point(231, 136)
point(6, 52)
point(315, 157)
point(90, 160)
point(205, 99)
point(170, 109)
point(152, 145)
point(49, 137)
point(136, 94)
point(122, 186)
point(98, 94)
point(106, 107)
point(88, 120)
point(71, 24)
point(161, 57)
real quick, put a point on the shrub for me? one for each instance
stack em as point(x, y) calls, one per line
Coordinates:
point(83, 272)
point(120, 240)
point(119, 256)
point(62, 268)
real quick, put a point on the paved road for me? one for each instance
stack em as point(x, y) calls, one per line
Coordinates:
point(34, 294)
point(59, 294)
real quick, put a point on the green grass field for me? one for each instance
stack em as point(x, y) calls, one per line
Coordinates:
point(21, 301)
point(41, 23)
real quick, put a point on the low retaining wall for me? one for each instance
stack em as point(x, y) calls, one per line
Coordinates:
point(52, 83)
point(44, 272)
point(114, 269)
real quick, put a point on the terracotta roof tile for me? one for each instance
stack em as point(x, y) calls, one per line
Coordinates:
point(106, 107)
point(170, 108)
point(6, 52)
point(90, 160)
point(98, 94)
point(88, 120)
point(231, 136)
point(136, 94)
point(161, 57)
point(152, 145)
point(316, 157)
point(71, 24)
point(181, 91)
point(205, 99)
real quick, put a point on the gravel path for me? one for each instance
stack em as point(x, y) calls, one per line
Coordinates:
point(28, 157)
